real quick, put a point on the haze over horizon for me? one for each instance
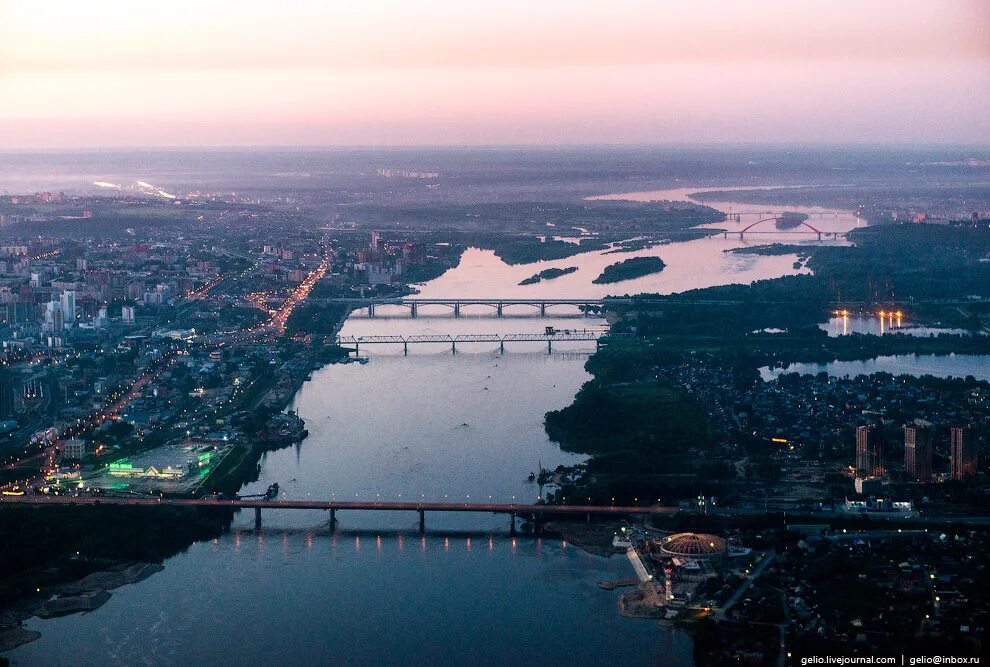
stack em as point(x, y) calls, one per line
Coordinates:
point(113, 74)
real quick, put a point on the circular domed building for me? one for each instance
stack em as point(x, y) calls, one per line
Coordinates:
point(692, 547)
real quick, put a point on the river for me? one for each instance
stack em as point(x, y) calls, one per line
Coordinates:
point(465, 426)
point(939, 365)
point(689, 264)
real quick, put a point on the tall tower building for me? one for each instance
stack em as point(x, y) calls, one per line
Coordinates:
point(69, 305)
point(918, 450)
point(963, 453)
point(7, 406)
point(869, 451)
point(54, 317)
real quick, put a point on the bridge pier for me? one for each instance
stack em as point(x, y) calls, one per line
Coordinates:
point(498, 309)
point(501, 346)
point(457, 309)
point(257, 518)
point(412, 310)
point(405, 347)
point(422, 521)
point(549, 347)
point(543, 310)
point(333, 520)
point(371, 309)
point(512, 523)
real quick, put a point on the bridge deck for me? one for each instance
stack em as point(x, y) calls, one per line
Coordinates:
point(496, 508)
point(462, 301)
point(559, 337)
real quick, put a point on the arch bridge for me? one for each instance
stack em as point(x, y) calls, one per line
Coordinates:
point(810, 229)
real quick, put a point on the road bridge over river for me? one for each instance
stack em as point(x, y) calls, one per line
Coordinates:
point(536, 513)
point(587, 305)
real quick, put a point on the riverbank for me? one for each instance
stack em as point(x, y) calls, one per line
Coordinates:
point(67, 559)
point(11, 638)
point(670, 414)
point(82, 555)
point(593, 536)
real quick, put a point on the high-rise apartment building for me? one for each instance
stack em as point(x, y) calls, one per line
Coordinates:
point(918, 450)
point(963, 453)
point(869, 451)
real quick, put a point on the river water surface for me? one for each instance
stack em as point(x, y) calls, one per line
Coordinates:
point(459, 427)
point(939, 365)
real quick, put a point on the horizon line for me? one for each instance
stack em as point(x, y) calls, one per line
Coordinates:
point(783, 145)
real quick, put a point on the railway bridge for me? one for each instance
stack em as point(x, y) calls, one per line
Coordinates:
point(414, 304)
point(598, 336)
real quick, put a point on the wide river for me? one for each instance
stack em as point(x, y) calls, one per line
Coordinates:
point(464, 427)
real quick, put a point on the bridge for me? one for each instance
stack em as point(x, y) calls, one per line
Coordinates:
point(536, 513)
point(803, 223)
point(598, 336)
point(456, 303)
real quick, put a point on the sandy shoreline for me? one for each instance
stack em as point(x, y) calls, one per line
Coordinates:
point(89, 593)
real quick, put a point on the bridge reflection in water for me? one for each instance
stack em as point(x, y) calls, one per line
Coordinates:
point(401, 541)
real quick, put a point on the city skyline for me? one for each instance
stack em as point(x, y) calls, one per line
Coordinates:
point(443, 333)
point(110, 74)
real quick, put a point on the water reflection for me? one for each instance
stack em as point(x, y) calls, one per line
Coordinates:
point(875, 324)
point(360, 606)
point(458, 540)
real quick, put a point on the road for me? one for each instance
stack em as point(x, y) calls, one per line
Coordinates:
point(719, 613)
point(46, 456)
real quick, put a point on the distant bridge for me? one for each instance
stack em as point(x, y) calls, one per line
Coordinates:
point(810, 229)
point(455, 303)
point(599, 337)
point(537, 513)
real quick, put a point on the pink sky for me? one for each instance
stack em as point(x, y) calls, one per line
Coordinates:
point(108, 73)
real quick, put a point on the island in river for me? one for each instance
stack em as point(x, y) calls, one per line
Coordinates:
point(548, 274)
point(635, 267)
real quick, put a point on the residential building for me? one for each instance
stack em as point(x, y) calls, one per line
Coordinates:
point(963, 453)
point(869, 451)
point(918, 450)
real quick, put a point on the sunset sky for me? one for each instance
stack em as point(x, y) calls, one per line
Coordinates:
point(103, 73)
